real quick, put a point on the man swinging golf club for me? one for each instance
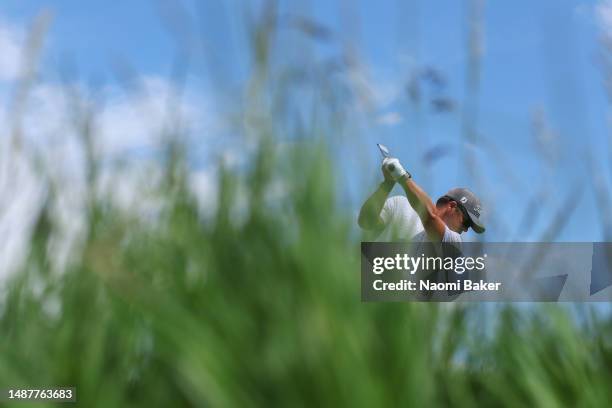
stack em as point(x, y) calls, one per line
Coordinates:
point(415, 217)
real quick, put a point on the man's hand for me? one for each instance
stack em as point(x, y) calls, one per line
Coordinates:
point(387, 175)
point(394, 168)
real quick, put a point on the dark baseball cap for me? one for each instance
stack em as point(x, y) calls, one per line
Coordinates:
point(471, 204)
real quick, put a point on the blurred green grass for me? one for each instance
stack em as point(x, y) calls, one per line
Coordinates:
point(186, 311)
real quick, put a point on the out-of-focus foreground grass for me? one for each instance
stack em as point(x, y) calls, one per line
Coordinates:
point(267, 312)
point(264, 310)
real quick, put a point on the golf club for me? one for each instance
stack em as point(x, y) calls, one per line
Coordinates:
point(385, 153)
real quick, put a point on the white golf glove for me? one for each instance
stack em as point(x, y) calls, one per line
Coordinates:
point(394, 167)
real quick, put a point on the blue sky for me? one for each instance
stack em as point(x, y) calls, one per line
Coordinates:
point(95, 32)
point(536, 57)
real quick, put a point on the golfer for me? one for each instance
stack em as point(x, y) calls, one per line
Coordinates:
point(414, 217)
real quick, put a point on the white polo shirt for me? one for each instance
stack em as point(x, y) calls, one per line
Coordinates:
point(402, 223)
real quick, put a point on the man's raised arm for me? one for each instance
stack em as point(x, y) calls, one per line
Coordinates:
point(369, 215)
point(418, 199)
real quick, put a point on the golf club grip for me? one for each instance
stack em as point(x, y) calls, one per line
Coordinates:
point(391, 167)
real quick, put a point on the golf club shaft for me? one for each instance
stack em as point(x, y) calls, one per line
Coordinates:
point(385, 154)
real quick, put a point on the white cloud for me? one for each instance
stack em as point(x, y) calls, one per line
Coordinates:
point(129, 122)
point(204, 186)
point(390, 119)
point(11, 44)
point(374, 90)
point(603, 14)
point(20, 196)
point(139, 118)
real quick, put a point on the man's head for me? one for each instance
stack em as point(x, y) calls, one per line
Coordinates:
point(460, 210)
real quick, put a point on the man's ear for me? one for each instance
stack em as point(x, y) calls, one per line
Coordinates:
point(452, 204)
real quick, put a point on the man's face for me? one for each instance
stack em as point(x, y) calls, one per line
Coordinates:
point(455, 218)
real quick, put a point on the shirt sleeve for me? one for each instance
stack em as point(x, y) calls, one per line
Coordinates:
point(388, 211)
